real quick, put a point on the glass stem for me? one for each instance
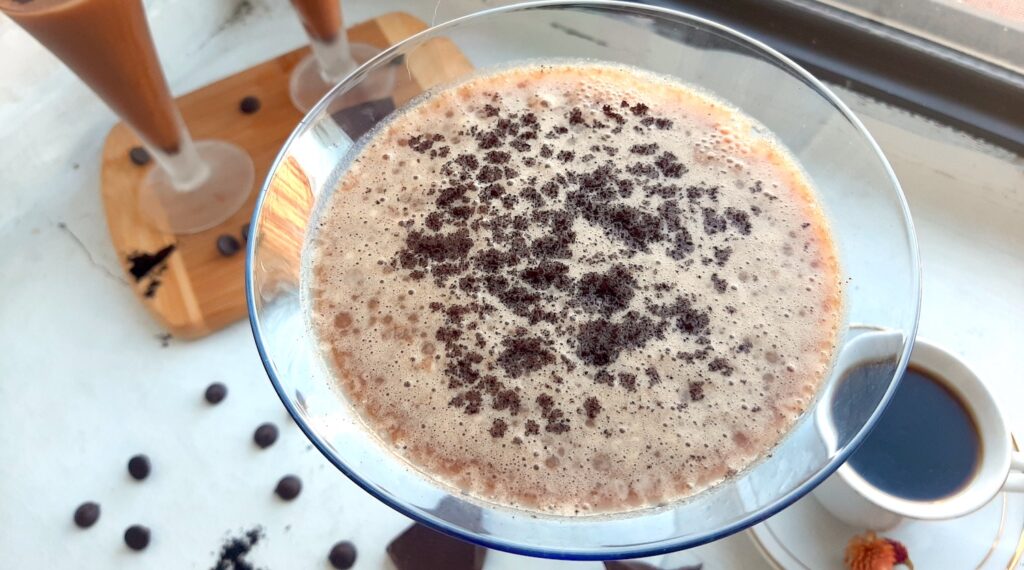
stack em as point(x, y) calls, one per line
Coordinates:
point(333, 58)
point(185, 168)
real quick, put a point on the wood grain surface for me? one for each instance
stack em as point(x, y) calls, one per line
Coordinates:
point(182, 279)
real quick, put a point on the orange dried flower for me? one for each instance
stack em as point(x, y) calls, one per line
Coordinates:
point(871, 552)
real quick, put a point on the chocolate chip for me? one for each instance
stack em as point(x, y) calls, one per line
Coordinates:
point(139, 467)
point(228, 245)
point(136, 537)
point(87, 514)
point(288, 487)
point(265, 435)
point(342, 555)
point(249, 105)
point(215, 393)
point(139, 156)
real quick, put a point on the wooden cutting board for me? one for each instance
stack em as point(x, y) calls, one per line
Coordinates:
point(183, 280)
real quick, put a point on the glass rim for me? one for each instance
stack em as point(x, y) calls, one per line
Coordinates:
point(600, 553)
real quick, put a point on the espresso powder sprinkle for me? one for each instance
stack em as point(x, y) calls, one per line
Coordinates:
point(525, 277)
point(537, 283)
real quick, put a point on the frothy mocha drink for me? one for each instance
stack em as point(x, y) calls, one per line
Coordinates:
point(574, 288)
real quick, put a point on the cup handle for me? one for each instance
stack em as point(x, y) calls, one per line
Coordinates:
point(1015, 481)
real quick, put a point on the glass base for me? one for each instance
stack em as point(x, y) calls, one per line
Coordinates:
point(224, 190)
point(306, 87)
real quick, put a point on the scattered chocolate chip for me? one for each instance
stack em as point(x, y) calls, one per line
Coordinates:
point(139, 156)
point(87, 514)
point(265, 435)
point(136, 537)
point(228, 245)
point(249, 104)
point(215, 393)
point(288, 487)
point(342, 555)
point(420, 548)
point(139, 467)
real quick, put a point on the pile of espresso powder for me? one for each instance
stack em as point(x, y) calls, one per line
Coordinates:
point(527, 226)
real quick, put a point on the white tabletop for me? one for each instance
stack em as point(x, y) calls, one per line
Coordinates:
point(86, 380)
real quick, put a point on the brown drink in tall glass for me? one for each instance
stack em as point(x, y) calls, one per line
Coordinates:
point(333, 57)
point(107, 43)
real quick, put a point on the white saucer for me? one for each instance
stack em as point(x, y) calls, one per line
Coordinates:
point(807, 537)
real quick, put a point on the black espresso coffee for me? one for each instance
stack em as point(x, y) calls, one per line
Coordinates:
point(925, 446)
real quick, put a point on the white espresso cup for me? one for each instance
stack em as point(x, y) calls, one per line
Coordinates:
point(855, 501)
